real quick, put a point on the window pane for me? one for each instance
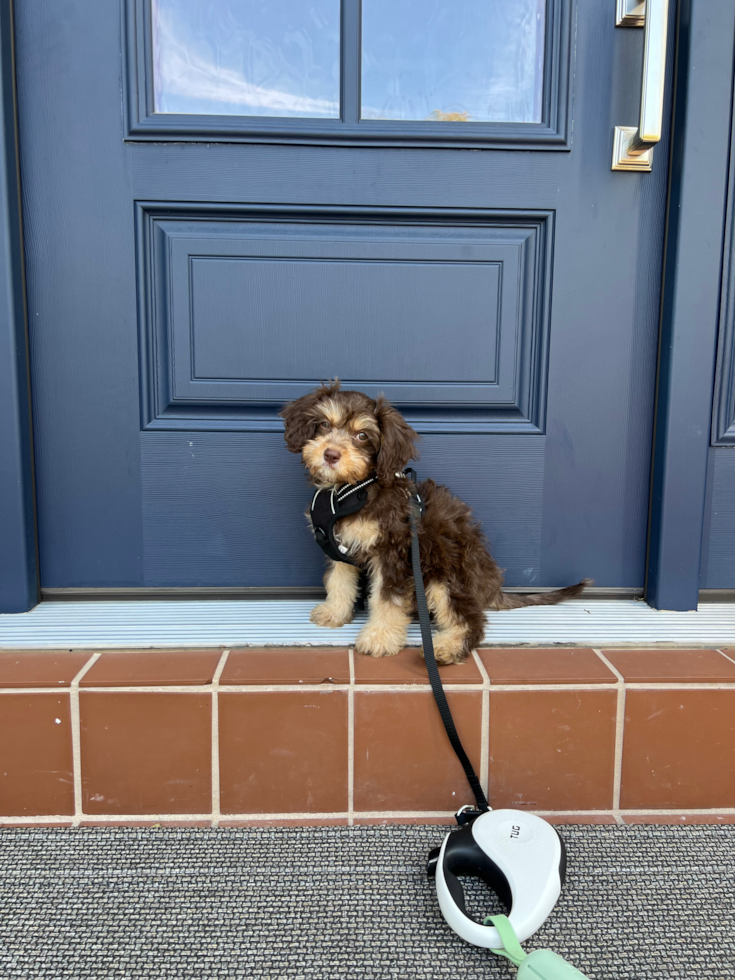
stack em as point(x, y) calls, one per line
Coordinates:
point(246, 57)
point(453, 60)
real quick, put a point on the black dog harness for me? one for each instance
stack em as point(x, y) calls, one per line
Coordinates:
point(328, 506)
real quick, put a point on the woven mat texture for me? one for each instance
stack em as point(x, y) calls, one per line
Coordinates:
point(640, 902)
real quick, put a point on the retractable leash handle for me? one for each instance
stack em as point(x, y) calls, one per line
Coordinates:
point(519, 856)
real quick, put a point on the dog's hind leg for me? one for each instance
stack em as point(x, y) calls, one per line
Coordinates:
point(455, 638)
point(341, 581)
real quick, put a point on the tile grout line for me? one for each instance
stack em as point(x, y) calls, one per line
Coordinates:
point(76, 737)
point(693, 811)
point(619, 733)
point(723, 654)
point(485, 725)
point(679, 686)
point(351, 740)
point(215, 737)
point(646, 644)
point(408, 688)
point(183, 818)
point(146, 645)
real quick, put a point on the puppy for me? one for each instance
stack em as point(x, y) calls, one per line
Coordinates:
point(344, 437)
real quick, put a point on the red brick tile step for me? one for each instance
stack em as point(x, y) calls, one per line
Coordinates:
point(259, 737)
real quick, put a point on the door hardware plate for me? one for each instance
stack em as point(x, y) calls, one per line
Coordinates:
point(630, 13)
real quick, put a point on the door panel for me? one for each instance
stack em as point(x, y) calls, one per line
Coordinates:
point(224, 508)
point(718, 545)
point(718, 549)
point(176, 286)
point(82, 314)
point(444, 311)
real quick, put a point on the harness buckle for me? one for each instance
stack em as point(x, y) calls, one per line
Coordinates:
point(413, 492)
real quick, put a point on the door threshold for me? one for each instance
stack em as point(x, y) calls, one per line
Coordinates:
point(311, 592)
point(717, 595)
point(261, 622)
point(189, 593)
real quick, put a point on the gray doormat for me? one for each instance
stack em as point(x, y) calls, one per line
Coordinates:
point(106, 903)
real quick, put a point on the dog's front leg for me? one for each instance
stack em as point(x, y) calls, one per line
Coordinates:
point(384, 634)
point(341, 581)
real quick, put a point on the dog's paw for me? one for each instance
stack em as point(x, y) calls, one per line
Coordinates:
point(448, 649)
point(377, 641)
point(331, 616)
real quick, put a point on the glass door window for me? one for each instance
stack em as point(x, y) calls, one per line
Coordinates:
point(356, 71)
point(247, 57)
point(443, 61)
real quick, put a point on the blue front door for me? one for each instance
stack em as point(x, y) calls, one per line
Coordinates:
point(226, 202)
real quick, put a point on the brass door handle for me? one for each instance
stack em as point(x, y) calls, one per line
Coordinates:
point(633, 147)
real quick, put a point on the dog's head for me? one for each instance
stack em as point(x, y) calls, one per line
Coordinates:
point(344, 436)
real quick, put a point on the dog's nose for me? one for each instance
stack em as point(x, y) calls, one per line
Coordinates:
point(332, 456)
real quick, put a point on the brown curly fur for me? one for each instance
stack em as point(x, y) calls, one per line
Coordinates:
point(461, 577)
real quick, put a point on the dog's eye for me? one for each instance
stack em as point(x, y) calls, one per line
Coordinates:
point(325, 425)
point(361, 437)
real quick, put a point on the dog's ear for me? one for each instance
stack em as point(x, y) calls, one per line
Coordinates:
point(397, 441)
point(298, 419)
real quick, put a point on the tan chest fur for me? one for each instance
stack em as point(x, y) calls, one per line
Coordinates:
point(358, 533)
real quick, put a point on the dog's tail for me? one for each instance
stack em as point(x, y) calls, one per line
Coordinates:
point(515, 600)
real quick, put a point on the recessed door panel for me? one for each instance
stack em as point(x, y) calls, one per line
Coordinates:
point(446, 316)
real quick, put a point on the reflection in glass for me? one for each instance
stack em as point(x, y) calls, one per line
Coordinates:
point(246, 57)
point(453, 60)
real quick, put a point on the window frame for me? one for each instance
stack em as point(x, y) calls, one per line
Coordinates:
point(142, 123)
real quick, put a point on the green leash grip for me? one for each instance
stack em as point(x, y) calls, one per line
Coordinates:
point(541, 964)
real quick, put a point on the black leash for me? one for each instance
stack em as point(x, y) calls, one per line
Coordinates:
point(466, 814)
